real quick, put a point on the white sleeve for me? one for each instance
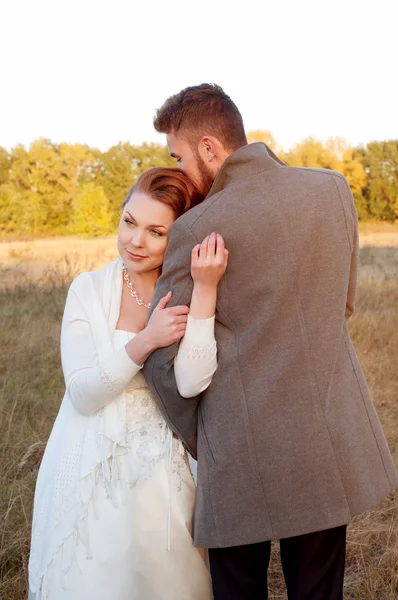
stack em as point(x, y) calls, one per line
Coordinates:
point(196, 360)
point(90, 384)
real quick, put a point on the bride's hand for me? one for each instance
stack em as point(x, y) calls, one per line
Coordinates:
point(209, 261)
point(166, 325)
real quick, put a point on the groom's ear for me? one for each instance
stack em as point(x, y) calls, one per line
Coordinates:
point(208, 148)
point(212, 153)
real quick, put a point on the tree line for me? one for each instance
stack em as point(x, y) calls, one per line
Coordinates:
point(61, 189)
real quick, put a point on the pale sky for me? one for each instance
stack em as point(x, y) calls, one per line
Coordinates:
point(94, 71)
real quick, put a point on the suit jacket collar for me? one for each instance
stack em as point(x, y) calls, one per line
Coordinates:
point(247, 160)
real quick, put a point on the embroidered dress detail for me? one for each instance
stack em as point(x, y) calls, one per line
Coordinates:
point(199, 351)
point(146, 433)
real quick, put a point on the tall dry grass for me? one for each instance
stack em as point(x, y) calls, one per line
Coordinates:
point(33, 285)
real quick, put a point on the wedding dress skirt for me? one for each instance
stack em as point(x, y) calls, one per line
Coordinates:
point(139, 544)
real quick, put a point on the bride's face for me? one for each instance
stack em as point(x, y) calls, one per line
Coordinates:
point(142, 234)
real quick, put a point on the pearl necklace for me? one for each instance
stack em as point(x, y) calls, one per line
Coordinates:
point(132, 290)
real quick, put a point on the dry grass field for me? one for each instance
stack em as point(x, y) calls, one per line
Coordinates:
point(33, 283)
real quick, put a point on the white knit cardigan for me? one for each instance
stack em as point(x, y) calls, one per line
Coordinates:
point(90, 430)
point(79, 444)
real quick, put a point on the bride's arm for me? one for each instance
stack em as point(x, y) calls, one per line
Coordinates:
point(92, 384)
point(196, 360)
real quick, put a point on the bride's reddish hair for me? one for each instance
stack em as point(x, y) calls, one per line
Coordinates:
point(169, 186)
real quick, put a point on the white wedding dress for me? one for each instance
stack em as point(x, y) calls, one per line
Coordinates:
point(140, 544)
point(113, 518)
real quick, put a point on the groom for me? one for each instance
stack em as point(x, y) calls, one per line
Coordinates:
point(288, 442)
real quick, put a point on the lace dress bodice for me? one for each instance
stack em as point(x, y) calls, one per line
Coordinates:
point(149, 438)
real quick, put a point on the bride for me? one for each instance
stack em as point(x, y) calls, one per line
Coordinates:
point(114, 496)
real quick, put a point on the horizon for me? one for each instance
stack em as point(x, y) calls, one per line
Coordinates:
point(162, 142)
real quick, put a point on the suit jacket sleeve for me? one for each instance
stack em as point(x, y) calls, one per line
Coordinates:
point(352, 283)
point(181, 414)
point(354, 235)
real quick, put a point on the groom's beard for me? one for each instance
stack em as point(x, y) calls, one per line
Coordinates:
point(206, 178)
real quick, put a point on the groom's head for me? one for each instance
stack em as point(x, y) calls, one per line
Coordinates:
point(203, 128)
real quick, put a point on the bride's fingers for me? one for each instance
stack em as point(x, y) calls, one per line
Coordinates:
point(178, 336)
point(212, 245)
point(195, 254)
point(163, 302)
point(179, 331)
point(220, 248)
point(177, 311)
point(203, 248)
point(181, 320)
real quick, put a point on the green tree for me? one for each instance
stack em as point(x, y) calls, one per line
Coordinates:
point(151, 155)
point(8, 212)
point(122, 164)
point(380, 161)
point(335, 154)
point(20, 211)
point(91, 214)
point(75, 165)
point(43, 183)
point(5, 164)
point(7, 216)
point(27, 185)
point(117, 175)
point(260, 135)
point(353, 170)
point(312, 153)
point(46, 179)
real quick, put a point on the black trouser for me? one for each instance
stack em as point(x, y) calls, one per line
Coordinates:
point(313, 567)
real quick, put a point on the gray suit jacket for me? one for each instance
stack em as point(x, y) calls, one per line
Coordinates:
point(288, 440)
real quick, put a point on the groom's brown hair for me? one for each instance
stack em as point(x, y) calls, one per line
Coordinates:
point(202, 110)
